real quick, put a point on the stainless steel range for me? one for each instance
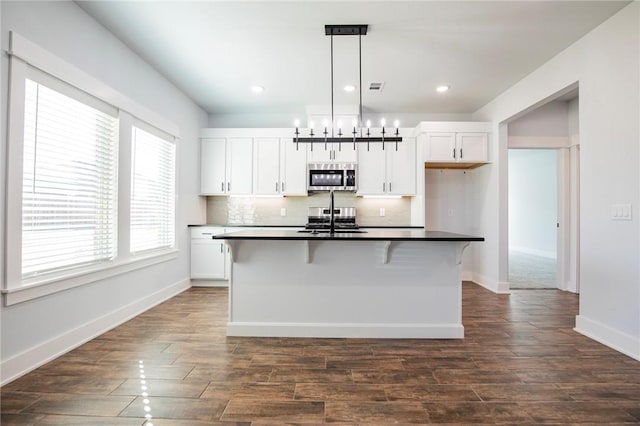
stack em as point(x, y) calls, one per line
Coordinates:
point(320, 218)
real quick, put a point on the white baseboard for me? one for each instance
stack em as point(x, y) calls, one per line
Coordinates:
point(467, 276)
point(535, 252)
point(33, 358)
point(381, 331)
point(621, 342)
point(499, 287)
point(209, 283)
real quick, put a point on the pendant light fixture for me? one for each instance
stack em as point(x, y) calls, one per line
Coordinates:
point(359, 133)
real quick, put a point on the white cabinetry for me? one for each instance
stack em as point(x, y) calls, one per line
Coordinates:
point(456, 147)
point(341, 153)
point(387, 172)
point(279, 169)
point(208, 256)
point(226, 166)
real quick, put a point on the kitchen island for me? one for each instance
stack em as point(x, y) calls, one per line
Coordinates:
point(380, 283)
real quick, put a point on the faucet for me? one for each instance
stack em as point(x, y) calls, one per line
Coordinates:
point(332, 220)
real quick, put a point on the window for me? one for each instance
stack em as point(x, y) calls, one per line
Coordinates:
point(69, 182)
point(152, 192)
point(90, 179)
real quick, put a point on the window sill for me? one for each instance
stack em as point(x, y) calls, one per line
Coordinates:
point(49, 285)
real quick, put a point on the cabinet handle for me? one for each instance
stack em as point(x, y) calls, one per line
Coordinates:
point(207, 233)
point(461, 153)
point(228, 186)
point(454, 153)
point(276, 186)
point(222, 186)
point(282, 187)
point(384, 185)
point(389, 186)
point(221, 248)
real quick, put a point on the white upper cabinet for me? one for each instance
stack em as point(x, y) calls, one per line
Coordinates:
point(226, 166)
point(267, 166)
point(472, 147)
point(371, 175)
point(387, 172)
point(239, 166)
point(279, 169)
point(441, 147)
point(401, 168)
point(456, 147)
point(341, 153)
point(293, 168)
point(213, 160)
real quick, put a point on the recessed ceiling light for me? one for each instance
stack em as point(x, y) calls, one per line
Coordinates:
point(349, 88)
point(442, 89)
point(257, 89)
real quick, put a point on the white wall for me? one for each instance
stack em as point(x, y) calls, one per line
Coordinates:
point(547, 121)
point(606, 65)
point(533, 201)
point(287, 119)
point(37, 330)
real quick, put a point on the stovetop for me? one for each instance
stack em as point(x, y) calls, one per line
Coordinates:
point(320, 218)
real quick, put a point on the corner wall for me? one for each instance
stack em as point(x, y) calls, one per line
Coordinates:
point(38, 330)
point(606, 65)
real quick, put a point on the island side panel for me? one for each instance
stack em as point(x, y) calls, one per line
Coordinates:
point(345, 289)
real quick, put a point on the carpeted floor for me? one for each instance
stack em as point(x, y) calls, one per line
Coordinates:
point(529, 271)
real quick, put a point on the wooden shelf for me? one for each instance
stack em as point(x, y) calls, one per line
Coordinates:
point(458, 166)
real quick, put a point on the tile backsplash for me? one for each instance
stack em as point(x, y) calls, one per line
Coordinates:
point(267, 211)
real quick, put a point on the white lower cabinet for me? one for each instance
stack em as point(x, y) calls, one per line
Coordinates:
point(208, 256)
point(387, 172)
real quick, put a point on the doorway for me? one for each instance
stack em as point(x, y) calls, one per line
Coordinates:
point(533, 218)
point(543, 245)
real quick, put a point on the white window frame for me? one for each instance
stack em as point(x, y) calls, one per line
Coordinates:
point(23, 55)
point(168, 138)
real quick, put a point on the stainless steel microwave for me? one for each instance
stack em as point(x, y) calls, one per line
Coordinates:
point(328, 176)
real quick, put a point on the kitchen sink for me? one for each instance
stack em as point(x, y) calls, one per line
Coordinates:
point(337, 231)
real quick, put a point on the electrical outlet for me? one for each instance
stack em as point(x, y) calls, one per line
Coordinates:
point(382, 212)
point(283, 211)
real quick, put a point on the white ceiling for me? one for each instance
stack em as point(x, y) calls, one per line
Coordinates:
point(215, 50)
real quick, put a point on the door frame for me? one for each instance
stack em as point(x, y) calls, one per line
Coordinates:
point(568, 235)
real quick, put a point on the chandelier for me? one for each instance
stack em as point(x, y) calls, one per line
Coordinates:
point(358, 133)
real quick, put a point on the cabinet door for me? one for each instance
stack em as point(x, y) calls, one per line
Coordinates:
point(345, 153)
point(267, 166)
point(239, 166)
point(371, 170)
point(212, 166)
point(440, 147)
point(208, 259)
point(317, 153)
point(401, 167)
point(472, 147)
point(293, 168)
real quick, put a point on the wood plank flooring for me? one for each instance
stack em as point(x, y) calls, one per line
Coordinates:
point(520, 363)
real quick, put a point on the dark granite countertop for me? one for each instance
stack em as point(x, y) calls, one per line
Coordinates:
point(302, 226)
point(370, 235)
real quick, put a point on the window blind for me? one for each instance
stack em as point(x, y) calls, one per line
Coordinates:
point(152, 192)
point(69, 182)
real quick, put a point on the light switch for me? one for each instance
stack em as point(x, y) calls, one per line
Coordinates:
point(382, 212)
point(621, 212)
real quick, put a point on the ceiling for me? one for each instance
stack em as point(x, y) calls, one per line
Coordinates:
point(215, 51)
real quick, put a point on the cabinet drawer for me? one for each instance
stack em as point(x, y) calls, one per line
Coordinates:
point(202, 232)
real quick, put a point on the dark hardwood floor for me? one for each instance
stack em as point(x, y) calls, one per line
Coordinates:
point(520, 363)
